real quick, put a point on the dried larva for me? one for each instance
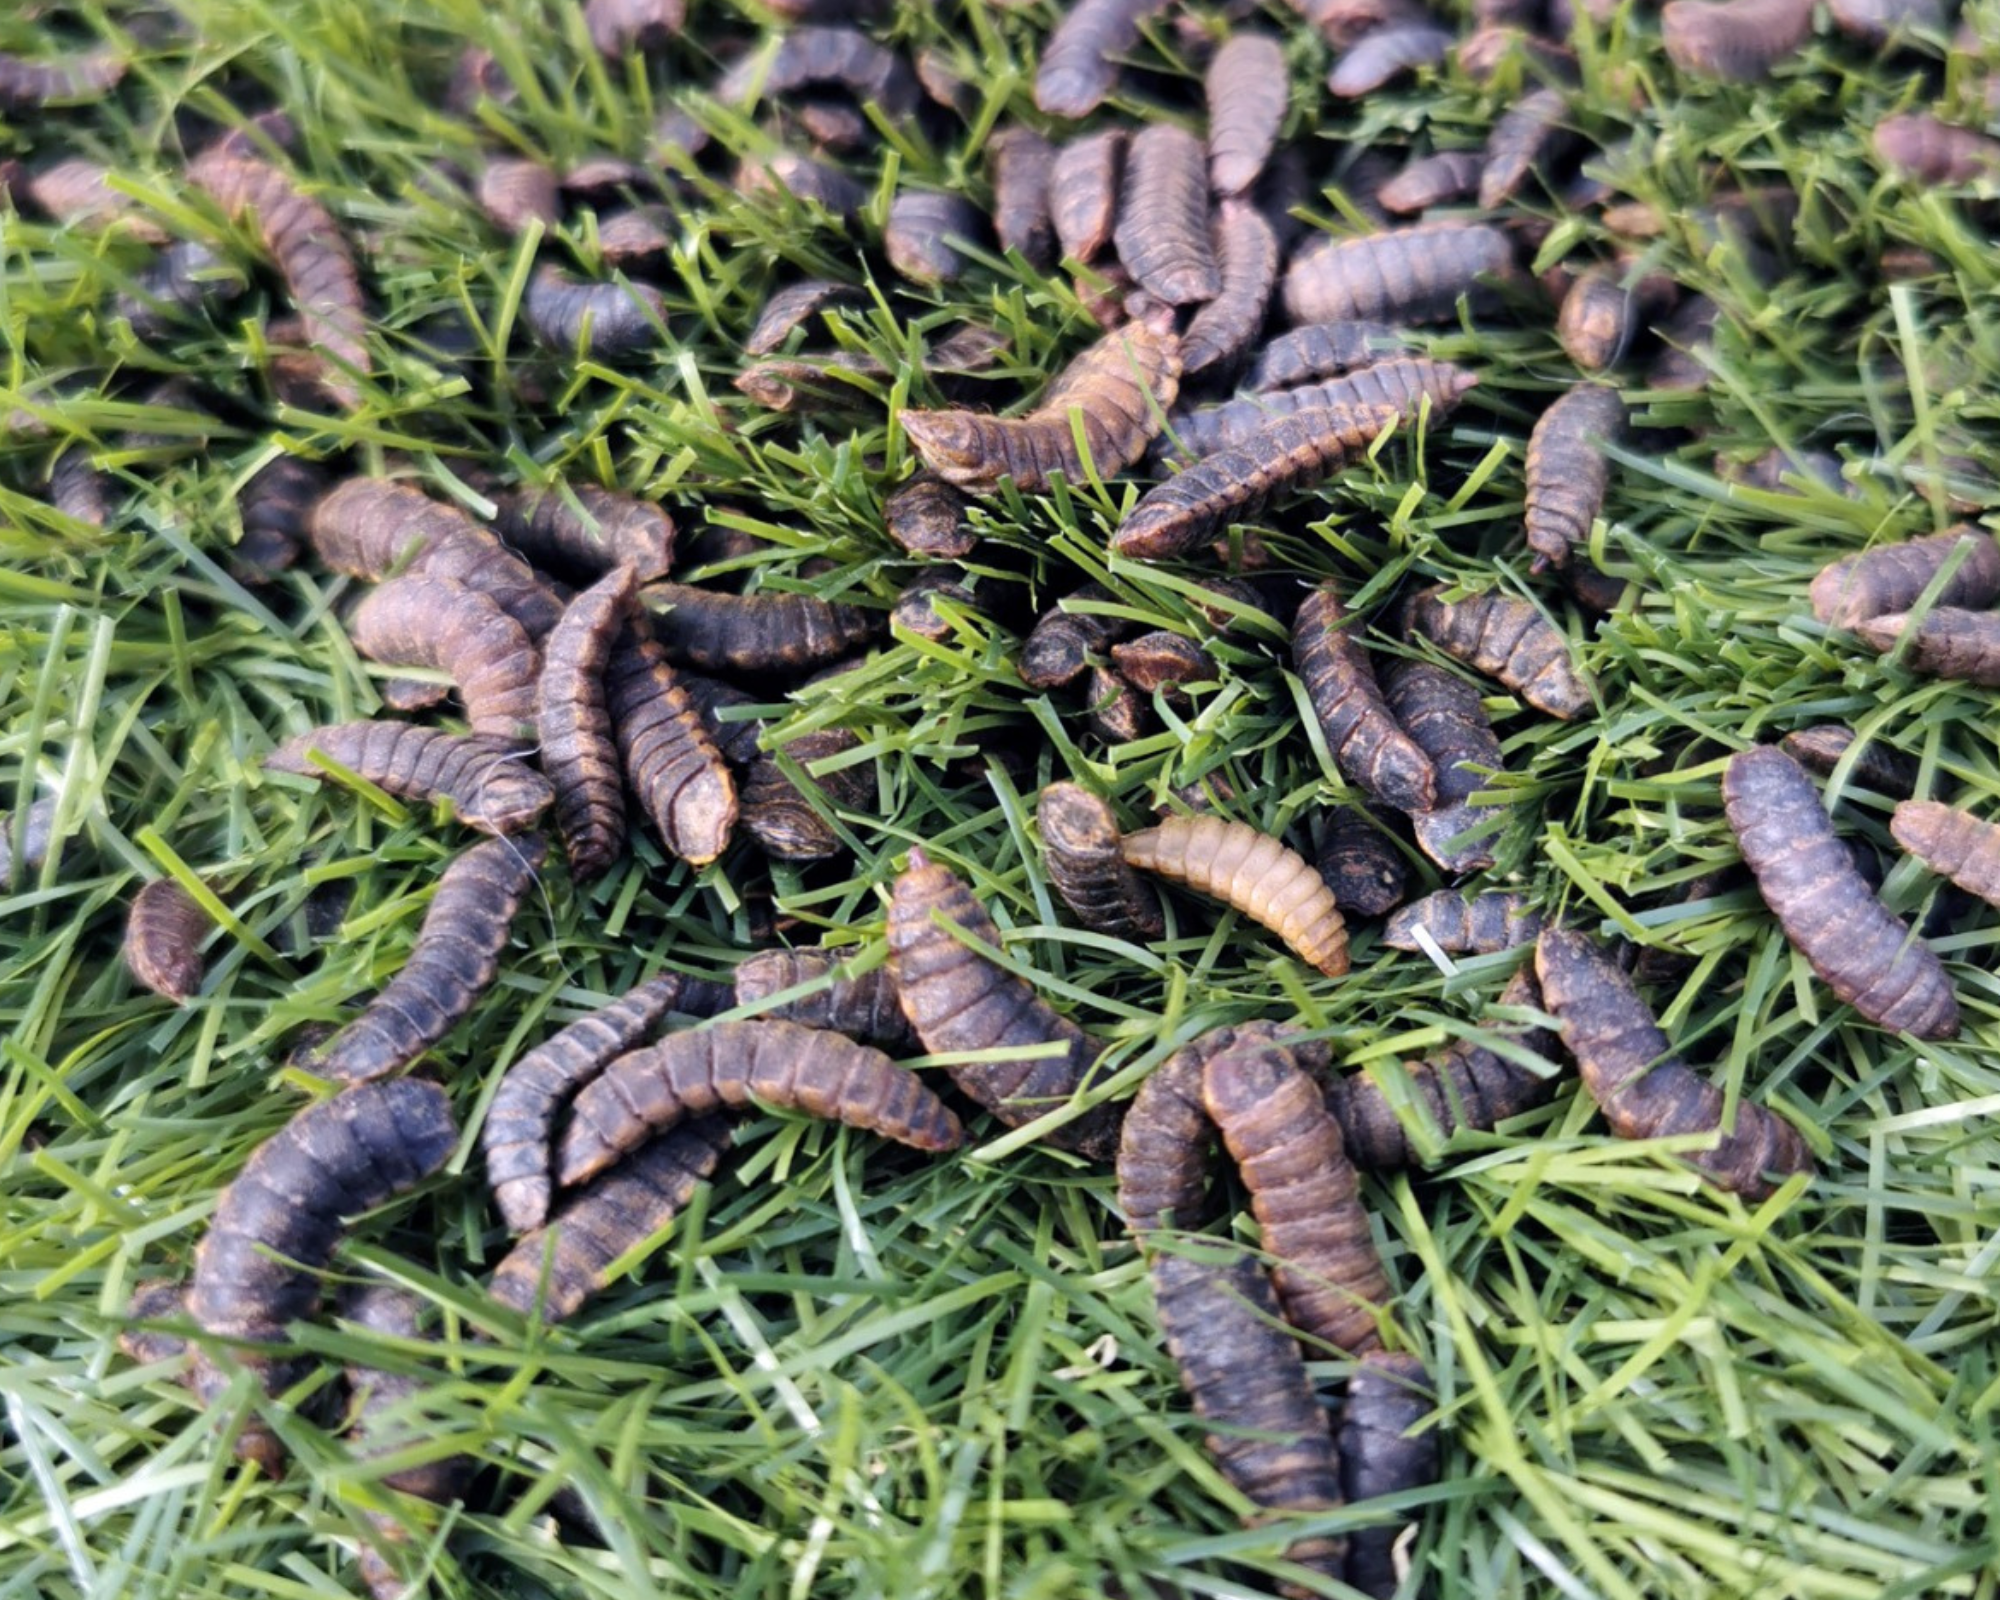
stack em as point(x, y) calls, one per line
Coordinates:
point(1385, 54)
point(1953, 843)
point(579, 753)
point(1948, 643)
point(1363, 737)
point(1304, 1191)
point(85, 75)
point(418, 620)
point(1246, 87)
point(833, 125)
point(311, 253)
point(1880, 768)
point(395, 1313)
point(1058, 648)
point(1081, 856)
point(668, 758)
point(1739, 41)
point(276, 1226)
point(156, 1300)
point(1482, 925)
point(1079, 63)
point(555, 1269)
point(1361, 863)
point(1162, 662)
point(1644, 1090)
point(1321, 350)
point(1083, 193)
point(1288, 452)
point(1865, 954)
point(1384, 1448)
point(371, 527)
point(943, 80)
point(924, 232)
point(1248, 1382)
point(1893, 577)
point(721, 632)
point(780, 816)
point(1402, 385)
point(1251, 872)
point(960, 1002)
point(1114, 394)
point(35, 835)
point(1163, 227)
point(1246, 251)
point(1527, 139)
point(792, 308)
point(489, 784)
point(1443, 714)
point(581, 529)
point(274, 507)
point(1919, 147)
point(1167, 1145)
point(619, 28)
point(1412, 274)
point(163, 936)
point(1443, 179)
point(735, 1065)
point(804, 179)
point(839, 57)
point(516, 1137)
point(455, 957)
point(1568, 471)
point(1509, 640)
point(79, 488)
point(188, 279)
point(927, 517)
point(864, 1008)
point(515, 193)
point(1603, 313)
point(916, 609)
point(605, 320)
point(1023, 166)
point(737, 738)
point(79, 194)
point(1114, 710)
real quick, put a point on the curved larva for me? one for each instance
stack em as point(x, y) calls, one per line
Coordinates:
point(579, 754)
point(1253, 872)
point(1738, 40)
point(421, 621)
point(163, 936)
point(720, 632)
point(865, 1008)
point(488, 782)
point(1080, 853)
point(1952, 842)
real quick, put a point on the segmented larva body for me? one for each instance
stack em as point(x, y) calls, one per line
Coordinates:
point(792, 308)
point(1167, 1147)
point(778, 812)
point(274, 508)
point(1252, 872)
point(1413, 274)
point(1384, 1448)
point(960, 1002)
point(843, 57)
point(1361, 863)
point(1058, 648)
point(516, 1136)
point(1118, 389)
point(1442, 713)
point(669, 760)
point(1246, 253)
point(1304, 1191)
point(735, 1064)
point(1892, 577)
point(163, 935)
point(489, 784)
point(1919, 147)
point(922, 225)
point(803, 179)
point(1401, 385)
point(85, 75)
point(1482, 925)
point(720, 632)
point(1079, 63)
point(1163, 233)
point(927, 517)
point(422, 621)
point(395, 1313)
point(79, 488)
point(276, 1226)
point(1367, 744)
point(1603, 313)
point(619, 28)
point(581, 528)
point(1384, 54)
point(1880, 768)
point(1246, 85)
point(515, 191)
point(1023, 165)
point(188, 279)
point(555, 1269)
point(78, 194)
point(579, 752)
point(1508, 640)
point(865, 1008)
point(1736, 40)
point(1947, 643)
point(156, 1300)
point(1645, 1091)
point(1161, 662)
point(1526, 136)
point(1952, 842)
point(310, 251)
point(1321, 350)
point(1083, 193)
point(605, 320)
point(1442, 179)
point(1080, 853)
point(455, 957)
point(1568, 471)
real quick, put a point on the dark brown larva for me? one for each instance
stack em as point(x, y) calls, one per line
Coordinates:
point(455, 957)
point(555, 1269)
point(86, 75)
point(669, 760)
point(1023, 166)
point(734, 1065)
point(1384, 54)
point(1400, 385)
point(163, 936)
point(1304, 1191)
point(924, 231)
point(188, 279)
point(960, 1002)
point(927, 517)
point(1684, 336)
point(1113, 709)
point(1161, 661)
point(1465, 1085)
point(156, 1300)
point(1736, 40)
point(1527, 137)
point(618, 28)
point(418, 620)
point(1246, 251)
point(1442, 179)
point(842, 57)
point(778, 813)
point(489, 784)
point(1866, 955)
point(310, 252)
point(1951, 842)
point(1363, 737)
point(793, 308)
point(804, 179)
point(720, 632)
point(1893, 577)
point(516, 1136)
point(1252, 872)
point(1384, 1448)
point(1079, 63)
point(1080, 853)
point(1288, 452)
point(1249, 1384)
point(579, 753)
point(605, 320)
point(1948, 643)
point(1413, 274)
point(79, 488)
point(276, 1226)
point(1568, 471)
point(1509, 640)
point(1166, 1149)
point(1361, 863)
point(1645, 1091)
point(1321, 350)
point(1776, 470)
point(1163, 231)
point(1058, 648)
point(580, 528)
point(396, 1313)
point(864, 1008)
point(273, 508)
point(1919, 147)
point(1343, 22)
point(1116, 389)
point(1603, 313)
point(1246, 86)
point(36, 834)
point(1083, 193)
point(515, 192)
point(916, 609)
point(1443, 714)
point(1879, 767)
point(371, 527)
point(1482, 925)
point(782, 384)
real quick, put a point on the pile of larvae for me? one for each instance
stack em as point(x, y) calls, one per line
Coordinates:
point(592, 686)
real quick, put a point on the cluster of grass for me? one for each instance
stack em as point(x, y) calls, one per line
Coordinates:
point(846, 1372)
